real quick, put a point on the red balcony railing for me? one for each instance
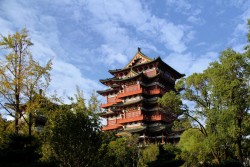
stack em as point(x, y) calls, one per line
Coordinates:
point(156, 117)
point(110, 102)
point(107, 105)
point(154, 91)
point(130, 90)
point(111, 127)
point(130, 119)
point(117, 123)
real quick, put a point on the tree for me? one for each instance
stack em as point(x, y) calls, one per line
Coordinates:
point(20, 77)
point(94, 103)
point(72, 136)
point(80, 101)
point(148, 155)
point(215, 115)
point(168, 155)
point(75, 139)
point(230, 78)
point(198, 90)
point(221, 98)
point(193, 141)
point(20, 150)
point(35, 85)
point(2, 131)
point(123, 152)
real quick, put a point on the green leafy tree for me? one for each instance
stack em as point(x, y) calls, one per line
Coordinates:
point(198, 90)
point(94, 103)
point(2, 131)
point(72, 135)
point(148, 155)
point(75, 139)
point(20, 77)
point(193, 142)
point(168, 155)
point(80, 100)
point(103, 155)
point(221, 99)
point(230, 77)
point(211, 114)
point(122, 151)
point(20, 150)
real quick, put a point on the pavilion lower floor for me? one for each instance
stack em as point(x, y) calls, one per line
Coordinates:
point(157, 135)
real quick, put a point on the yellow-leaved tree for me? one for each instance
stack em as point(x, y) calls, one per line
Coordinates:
point(21, 78)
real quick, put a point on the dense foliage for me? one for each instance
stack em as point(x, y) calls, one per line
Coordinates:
point(74, 139)
point(220, 116)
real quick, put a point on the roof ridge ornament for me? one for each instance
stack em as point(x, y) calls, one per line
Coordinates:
point(138, 58)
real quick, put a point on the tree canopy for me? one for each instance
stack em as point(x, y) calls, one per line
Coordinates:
point(221, 98)
point(21, 77)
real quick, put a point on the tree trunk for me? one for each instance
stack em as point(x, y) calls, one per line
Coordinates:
point(239, 139)
point(30, 124)
point(17, 116)
point(16, 124)
point(239, 150)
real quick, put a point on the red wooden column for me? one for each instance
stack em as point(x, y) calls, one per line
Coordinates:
point(162, 138)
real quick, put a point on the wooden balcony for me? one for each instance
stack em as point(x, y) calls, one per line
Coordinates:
point(113, 121)
point(110, 102)
point(107, 105)
point(117, 123)
point(111, 127)
point(156, 117)
point(138, 91)
point(117, 100)
point(130, 119)
point(143, 117)
point(113, 100)
point(130, 90)
point(154, 91)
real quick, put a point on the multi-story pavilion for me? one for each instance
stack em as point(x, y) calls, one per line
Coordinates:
point(131, 99)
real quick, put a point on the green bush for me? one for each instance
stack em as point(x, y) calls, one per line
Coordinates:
point(20, 150)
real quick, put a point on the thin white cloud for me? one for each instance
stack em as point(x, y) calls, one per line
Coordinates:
point(172, 36)
point(239, 47)
point(110, 56)
point(7, 26)
point(202, 62)
point(189, 63)
point(238, 38)
point(180, 5)
point(88, 35)
point(44, 33)
point(65, 77)
point(109, 18)
point(237, 3)
point(184, 61)
point(196, 20)
point(187, 9)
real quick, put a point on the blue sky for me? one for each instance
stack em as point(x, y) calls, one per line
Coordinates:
point(86, 38)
